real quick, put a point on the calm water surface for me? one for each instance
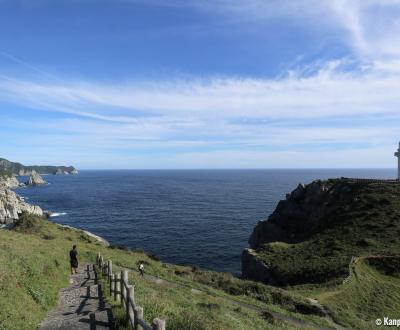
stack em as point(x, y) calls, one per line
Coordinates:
point(196, 217)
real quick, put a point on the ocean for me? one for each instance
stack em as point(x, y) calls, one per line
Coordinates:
point(191, 217)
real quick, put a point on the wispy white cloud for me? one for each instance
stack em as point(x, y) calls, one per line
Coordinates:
point(328, 93)
point(215, 121)
point(223, 114)
point(371, 28)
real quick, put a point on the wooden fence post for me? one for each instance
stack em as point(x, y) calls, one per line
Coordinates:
point(112, 281)
point(130, 298)
point(124, 284)
point(124, 293)
point(131, 294)
point(117, 293)
point(96, 279)
point(158, 324)
point(138, 317)
point(109, 269)
point(115, 286)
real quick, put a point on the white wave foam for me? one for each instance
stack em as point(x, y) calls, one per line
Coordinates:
point(55, 214)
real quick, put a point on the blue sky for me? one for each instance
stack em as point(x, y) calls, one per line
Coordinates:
point(200, 84)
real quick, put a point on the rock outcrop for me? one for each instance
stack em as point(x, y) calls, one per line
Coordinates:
point(12, 205)
point(35, 179)
point(10, 182)
point(296, 217)
point(63, 172)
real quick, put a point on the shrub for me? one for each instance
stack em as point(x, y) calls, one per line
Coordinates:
point(29, 223)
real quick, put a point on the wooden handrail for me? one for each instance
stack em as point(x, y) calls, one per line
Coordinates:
point(124, 293)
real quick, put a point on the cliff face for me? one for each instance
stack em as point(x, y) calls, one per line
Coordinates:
point(9, 182)
point(11, 204)
point(314, 232)
point(299, 215)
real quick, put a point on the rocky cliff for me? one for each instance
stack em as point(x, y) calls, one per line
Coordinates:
point(11, 204)
point(9, 182)
point(314, 232)
point(296, 217)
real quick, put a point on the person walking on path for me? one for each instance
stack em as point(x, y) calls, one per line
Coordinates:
point(73, 259)
point(141, 269)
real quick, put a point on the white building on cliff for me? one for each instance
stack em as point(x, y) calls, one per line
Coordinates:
point(397, 154)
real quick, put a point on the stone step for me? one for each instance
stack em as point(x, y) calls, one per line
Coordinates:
point(72, 313)
point(85, 309)
point(81, 306)
point(101, 320)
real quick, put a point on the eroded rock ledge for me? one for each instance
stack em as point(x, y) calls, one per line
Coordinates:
point(11, 204)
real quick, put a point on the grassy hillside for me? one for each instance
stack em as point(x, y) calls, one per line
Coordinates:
point(372, 292)
point(363, 219)
point(34, 266)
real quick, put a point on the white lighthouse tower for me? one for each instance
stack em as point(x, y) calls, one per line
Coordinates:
point(397, 154)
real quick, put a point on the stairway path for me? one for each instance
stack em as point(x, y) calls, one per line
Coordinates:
point(81, 305)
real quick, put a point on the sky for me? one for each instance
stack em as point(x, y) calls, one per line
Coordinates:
point(152, 84)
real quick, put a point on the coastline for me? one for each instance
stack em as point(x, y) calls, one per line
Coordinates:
point(13, 184)
point(98, 238)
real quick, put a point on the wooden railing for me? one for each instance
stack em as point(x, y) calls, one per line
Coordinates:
point(124, 293)
point(381, 181)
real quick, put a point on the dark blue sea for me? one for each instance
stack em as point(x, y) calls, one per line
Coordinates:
point(192, 217)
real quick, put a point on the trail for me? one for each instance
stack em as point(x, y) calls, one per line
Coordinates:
point(81, 305)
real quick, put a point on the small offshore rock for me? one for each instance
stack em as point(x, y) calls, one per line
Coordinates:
point(35, 179)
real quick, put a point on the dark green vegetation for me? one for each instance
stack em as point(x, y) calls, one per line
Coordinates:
point(5, 173)
point(362, 218)
point(17, 168)
point(34, 267)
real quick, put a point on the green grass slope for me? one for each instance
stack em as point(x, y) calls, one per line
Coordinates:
point(34, 265)
point(371, 292)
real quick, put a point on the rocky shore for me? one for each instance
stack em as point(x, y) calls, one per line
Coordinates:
point(11, 204)
point(96, 237)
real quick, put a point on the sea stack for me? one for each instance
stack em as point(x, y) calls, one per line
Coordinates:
point(35, 179)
